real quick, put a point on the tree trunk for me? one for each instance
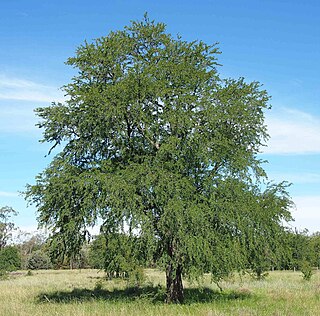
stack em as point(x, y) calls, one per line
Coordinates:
point(174, 284)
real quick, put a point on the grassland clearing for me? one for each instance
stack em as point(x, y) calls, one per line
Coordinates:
point(87, 292)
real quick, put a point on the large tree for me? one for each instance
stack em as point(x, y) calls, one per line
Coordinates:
point(156, 144)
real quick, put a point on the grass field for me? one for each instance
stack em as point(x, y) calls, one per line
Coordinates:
point(86, 292)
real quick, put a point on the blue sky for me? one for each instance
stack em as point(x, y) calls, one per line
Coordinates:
point(274, 42)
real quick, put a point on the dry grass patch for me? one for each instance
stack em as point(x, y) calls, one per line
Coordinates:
point(87, 292)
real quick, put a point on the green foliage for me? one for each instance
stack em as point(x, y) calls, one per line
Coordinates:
point(29, 243)
point(4, 275)
point(83, 258)
point(306, 270)
point(10, 259)
point(157, 145)
point(136, 277)
point(266, 246)
point(97, 252)
point(300, 250)
point(62, 260)
point(119, 255)
point(315, 249)
point(38, 260)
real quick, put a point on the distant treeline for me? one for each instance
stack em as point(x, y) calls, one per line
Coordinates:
point(121, 256)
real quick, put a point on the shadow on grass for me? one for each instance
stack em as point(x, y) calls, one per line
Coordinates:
point(148, 293)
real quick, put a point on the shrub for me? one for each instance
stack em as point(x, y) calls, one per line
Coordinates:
point(136, 277)
point(4, 275)
point(306, 270)
point(10, 259)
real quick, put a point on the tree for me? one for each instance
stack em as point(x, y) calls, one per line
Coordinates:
point(97, 252)
point(157, 145)
point(6, 226)
point(302, 252)
point(29, 243)
point(315, 248)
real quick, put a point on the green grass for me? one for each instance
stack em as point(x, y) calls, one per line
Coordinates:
point(86, 292)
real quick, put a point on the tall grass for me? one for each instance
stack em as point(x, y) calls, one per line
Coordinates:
point(87, 292)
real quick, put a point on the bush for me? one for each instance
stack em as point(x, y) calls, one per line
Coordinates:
point(4, 275)
point(10, 259)
point(306, 270)
point(136, 277)
point(38, 260)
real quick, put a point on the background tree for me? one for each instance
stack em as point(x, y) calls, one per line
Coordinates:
point(29, 243)
point(302, 252)
point(38, 260)
point(67, 260)
point(6, 226)
point(97, 252)
point(315, 248)
point(155, 143)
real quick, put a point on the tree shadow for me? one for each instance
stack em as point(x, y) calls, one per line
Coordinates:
point(152, 294)
point(207, 295)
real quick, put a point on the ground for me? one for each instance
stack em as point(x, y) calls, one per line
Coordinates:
point(87, 292)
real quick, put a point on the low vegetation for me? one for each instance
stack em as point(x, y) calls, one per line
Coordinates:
point(88, 292)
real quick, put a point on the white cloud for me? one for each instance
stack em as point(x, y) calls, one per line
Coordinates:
point(17, 118)
point(18, 99)
point(301, 178)
point(307, 212)
point(8, 194)
point(21, 89)
point(293, 132)
point(16, 110)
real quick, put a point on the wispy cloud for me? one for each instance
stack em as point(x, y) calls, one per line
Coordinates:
point(8, 194)
point(18, 99)
point(17, 118)
point(293, 132)
point(296, 178)
point(307, 212)
point(20, 89)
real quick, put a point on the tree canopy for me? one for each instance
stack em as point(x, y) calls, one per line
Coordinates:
point(157, 145)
